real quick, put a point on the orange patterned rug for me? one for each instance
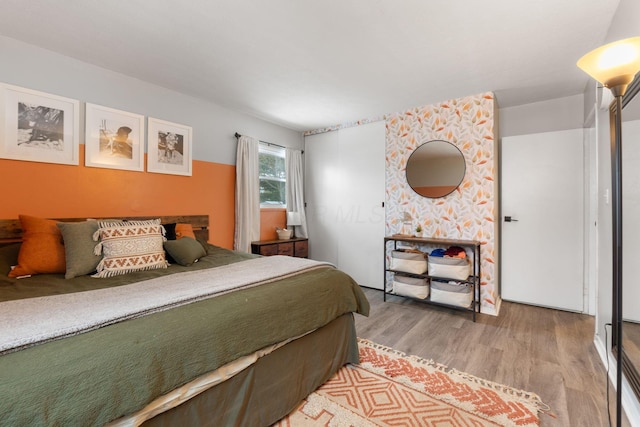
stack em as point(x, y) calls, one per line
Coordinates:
point(389, 388)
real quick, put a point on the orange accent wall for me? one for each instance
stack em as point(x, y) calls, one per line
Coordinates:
point(270, 218)
point(58, 191)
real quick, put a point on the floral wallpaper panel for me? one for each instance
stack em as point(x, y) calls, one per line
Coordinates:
point(470, 212)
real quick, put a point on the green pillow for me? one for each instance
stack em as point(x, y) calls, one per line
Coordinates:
point(78, 247)
point(185, 251)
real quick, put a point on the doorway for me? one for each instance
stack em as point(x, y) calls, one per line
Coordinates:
point(543, 219)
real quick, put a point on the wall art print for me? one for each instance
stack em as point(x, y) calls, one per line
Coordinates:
point(469, 212)
point(37, 126)
point(114, 139)
point(169, 147)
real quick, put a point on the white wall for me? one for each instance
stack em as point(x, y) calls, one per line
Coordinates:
point(213, 126)
point(545, 116)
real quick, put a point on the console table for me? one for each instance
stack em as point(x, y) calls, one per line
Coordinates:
point(296, 247)
point(426, 244)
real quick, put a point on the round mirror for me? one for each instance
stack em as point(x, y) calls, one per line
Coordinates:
point(435, 169)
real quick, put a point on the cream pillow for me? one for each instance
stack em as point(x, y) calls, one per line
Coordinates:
point(129, 246)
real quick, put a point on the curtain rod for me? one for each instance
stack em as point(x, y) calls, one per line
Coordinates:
point(237, 135)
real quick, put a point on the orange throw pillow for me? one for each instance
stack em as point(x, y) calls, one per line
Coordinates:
point(184, 230)
point(42, 250)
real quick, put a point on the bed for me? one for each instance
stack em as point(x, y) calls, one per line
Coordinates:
point(228, 356)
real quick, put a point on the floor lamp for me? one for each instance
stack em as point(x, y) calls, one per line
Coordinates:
point(615, 65)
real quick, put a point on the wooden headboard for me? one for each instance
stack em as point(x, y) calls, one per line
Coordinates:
point(11, 229)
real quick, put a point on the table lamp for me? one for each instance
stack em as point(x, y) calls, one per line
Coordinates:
point(293, 219)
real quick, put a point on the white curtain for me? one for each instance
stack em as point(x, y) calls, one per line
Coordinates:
point(247, 194)
point(295, 189)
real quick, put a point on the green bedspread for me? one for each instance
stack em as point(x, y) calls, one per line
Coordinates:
point(99, 376)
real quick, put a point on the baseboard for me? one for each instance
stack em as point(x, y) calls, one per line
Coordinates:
point(493, 310)
point(370, 287)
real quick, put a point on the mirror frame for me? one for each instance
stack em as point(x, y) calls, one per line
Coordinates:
point(630, 371)
point(464, 168)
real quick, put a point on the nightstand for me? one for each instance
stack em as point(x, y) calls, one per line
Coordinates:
point(297, 247)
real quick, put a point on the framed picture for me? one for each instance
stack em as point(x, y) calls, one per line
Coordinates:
point(169, 147)
point(114, 139)
point(38, 127)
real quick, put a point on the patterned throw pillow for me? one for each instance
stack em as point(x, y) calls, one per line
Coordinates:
point(129, 246)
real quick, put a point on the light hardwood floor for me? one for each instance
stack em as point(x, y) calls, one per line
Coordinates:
point(548, 352)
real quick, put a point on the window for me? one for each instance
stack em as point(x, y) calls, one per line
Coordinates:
point(273, 179)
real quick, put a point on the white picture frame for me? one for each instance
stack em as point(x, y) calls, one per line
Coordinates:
point(38, 126)
point(168, 147)
point(114, 139)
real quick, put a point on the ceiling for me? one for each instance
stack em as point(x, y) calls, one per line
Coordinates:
point(307, 64)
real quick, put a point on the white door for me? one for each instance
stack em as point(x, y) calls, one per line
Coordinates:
point(344, 192)
point(542, 246)
point(321, 177)
point(360, 219)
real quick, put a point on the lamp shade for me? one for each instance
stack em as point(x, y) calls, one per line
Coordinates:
point(293, 218)
point(614, 64)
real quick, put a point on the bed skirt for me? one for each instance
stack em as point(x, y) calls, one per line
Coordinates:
point(272, 387)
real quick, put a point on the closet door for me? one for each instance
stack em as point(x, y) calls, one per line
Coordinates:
point(321, 175)
point(360, 212)
point(344, 191)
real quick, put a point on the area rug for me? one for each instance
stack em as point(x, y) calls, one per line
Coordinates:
point(389, 388)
